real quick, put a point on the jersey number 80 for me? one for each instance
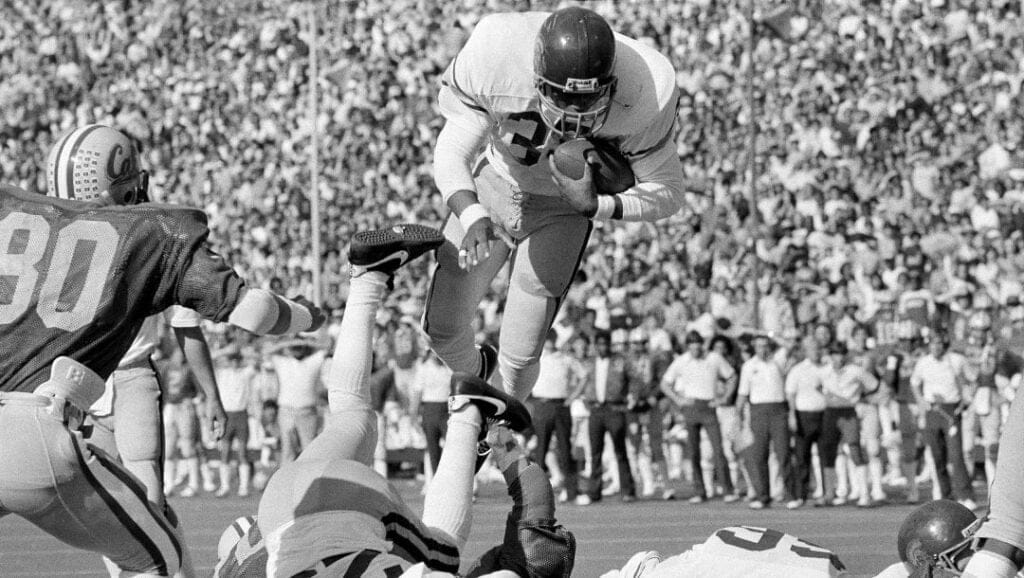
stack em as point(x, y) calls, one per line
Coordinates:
point(71, 286)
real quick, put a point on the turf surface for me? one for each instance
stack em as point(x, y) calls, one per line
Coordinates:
point(608, 533)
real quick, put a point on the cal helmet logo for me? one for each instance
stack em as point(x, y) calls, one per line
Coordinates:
point(581, 85)
point(119, 164)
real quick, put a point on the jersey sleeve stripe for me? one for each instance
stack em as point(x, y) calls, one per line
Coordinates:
point(284, 316)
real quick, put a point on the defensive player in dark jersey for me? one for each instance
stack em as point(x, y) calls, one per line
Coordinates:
point(78, 279)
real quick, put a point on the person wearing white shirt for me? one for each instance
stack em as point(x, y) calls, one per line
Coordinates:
point(234, 382)
point(557, 382)
point(692, 382)
point(128, 420)
point(805, 384)
point(939, 384)
point(430, 392)
point(844, 386)
point(762, 393)
point(299, 371)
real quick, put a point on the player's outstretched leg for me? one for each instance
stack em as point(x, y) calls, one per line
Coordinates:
point(448, 503)
point(375, 256)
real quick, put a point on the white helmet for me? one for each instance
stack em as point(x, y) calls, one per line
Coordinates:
point(93, 159)
point(233, 534)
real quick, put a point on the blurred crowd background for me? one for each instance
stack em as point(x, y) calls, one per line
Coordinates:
point(889, 171)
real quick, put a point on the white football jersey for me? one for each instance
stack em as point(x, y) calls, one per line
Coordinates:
point(746, 552)
point(142, 347)
point(492, 77)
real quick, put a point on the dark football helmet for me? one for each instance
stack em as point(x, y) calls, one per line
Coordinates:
point(937, 534)
point(573, 64)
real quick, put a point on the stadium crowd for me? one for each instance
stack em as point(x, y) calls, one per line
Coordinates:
point(889, 207)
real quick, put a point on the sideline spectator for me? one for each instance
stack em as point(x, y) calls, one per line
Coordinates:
point(550, 409)
point(762, 397)
point(298, 371)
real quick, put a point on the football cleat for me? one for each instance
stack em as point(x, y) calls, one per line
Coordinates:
point(493, 403)
point(488, 361)
point(386, 250)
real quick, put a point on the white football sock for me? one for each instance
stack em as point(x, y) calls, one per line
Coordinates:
point(447, 507)
point(349, 378)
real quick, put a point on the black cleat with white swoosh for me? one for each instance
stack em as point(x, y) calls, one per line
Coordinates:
point(386, 250)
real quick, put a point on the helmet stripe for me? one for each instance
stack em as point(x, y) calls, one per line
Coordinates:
point(60, 166)
point(72, 153)
point(61, 181)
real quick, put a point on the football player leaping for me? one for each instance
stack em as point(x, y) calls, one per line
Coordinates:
point(329, 513)
point(523, 83)
point(80, 279)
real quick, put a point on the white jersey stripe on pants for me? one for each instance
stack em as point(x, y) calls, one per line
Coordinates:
point(126, 499)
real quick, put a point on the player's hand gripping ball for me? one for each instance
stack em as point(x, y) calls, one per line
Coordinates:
point(610, 168)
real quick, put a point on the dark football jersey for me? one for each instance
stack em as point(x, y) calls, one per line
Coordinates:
point(78, 280)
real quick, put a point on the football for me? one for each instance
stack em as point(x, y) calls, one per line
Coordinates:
point(611, 170)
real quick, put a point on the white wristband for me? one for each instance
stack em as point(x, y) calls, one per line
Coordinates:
point(605, 207)
point(472, 214)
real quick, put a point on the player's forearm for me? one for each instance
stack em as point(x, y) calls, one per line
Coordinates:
point(659, 192)
point(530, 490)
point(193, 344)
point(265, 313)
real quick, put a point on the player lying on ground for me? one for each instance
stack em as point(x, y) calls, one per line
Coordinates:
point(938, 540)
point(738, 552)
point(330, 514)
point(80, 279)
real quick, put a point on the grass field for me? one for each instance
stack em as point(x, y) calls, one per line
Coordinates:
point(607, 533)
